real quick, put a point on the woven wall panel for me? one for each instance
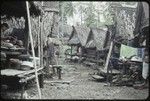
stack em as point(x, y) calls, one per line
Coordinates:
point(126, 22)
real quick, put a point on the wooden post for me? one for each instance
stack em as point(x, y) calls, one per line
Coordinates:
point(108, 56)
point(32, 47)
point(96, 58)
point(39, 38)
point(26, 42)
point(22, 89)
point(41, 81)
point(59, 72)
point(71, 51)
point(41, 42)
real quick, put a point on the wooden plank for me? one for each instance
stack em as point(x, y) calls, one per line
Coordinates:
point(97, 77)
point(11, 72)
point(26, 78)
point(95, 61)
point(114, 71)
point(28, 72)
point(12, 49)
point(59, 81)
point(89, 63)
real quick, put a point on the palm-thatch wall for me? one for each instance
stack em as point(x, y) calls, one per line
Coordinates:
point(125, 18)
point(35, 30)
point(50, 19)
point(49, 22)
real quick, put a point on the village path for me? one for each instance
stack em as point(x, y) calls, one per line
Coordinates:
point(81, 87)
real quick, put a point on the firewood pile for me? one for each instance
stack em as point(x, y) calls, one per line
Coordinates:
point(13, 54)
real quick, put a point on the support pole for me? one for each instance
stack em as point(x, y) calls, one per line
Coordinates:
point(71, 51)
point(39, 48)
point(41, 40)
point(108, 56)
point(32, 47)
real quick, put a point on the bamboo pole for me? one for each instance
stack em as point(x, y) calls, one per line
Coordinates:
point(33, 53)
point(108, 56)
point(71, 51)
point(39, 40)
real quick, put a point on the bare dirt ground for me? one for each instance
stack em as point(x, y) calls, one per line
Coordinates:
point(78, 85)
point(81, 87)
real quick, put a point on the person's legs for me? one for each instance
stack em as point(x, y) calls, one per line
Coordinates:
point(145, 73)
point(145, 70)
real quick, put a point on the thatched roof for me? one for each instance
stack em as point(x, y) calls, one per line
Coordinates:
point(18, 8)
point(98, 36)
point(80, 32)
point(74, 40)
point(67, 29)
point(90, 44)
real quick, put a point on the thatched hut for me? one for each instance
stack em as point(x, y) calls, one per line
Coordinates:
point(50, 23)
point(96, 43)
point(13, 12)
point(81, 33)
point(50, 19)
point(17, 18)
point(79, 37)
point(65, 31)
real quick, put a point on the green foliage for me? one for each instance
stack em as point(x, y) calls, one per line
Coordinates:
point(90, 18)
point(89, 14)
point(68, 9)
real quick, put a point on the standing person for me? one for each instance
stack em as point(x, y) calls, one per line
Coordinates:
point(145, 69)
point(51, 52)
point(49, 59)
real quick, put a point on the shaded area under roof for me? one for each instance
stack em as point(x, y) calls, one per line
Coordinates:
point(18, 8)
